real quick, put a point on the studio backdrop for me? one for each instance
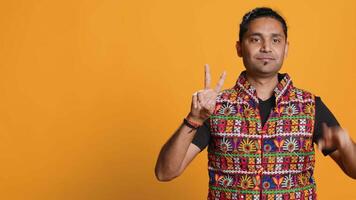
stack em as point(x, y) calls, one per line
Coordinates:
point(91, 89)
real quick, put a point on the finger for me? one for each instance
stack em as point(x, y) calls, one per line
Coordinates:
point(320, 144)
point(195, 100)
point(199, 105)
point(207, 77)
point(211, 106)
point(326, 135)
point(200, 98)
point(209, 102)
point(221, 82)
point(321, 141)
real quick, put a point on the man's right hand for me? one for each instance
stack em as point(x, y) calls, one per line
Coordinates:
point(203, 101)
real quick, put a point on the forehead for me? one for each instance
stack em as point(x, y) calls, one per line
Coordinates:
point(265, 26)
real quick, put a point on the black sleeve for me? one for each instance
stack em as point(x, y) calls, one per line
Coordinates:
point(323, 114)
point(202, 136)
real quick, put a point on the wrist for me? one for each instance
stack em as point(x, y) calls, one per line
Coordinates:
point(196, 120)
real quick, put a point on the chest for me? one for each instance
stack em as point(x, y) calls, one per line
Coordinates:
point(236, 125)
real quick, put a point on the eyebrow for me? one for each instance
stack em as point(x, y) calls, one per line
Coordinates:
point(260, 34)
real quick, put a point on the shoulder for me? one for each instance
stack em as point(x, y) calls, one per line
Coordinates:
point(227, 91)
point(227, 94)
point(303, 93)
point(319, 103)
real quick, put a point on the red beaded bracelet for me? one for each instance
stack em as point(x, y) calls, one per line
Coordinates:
point(191, 124)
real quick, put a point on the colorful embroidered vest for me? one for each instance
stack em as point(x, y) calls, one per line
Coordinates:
point(248, 161)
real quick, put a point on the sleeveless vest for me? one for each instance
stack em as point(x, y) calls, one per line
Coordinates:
point(248, 161)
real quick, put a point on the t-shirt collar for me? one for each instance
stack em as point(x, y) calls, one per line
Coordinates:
point(284, 83)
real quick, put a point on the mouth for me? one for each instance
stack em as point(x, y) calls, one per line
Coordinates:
point(265, 58)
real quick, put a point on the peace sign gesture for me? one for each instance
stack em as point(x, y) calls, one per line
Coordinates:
point(203, 101)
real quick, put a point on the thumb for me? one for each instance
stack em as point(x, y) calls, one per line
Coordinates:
point(195, 100)
point(320, 144)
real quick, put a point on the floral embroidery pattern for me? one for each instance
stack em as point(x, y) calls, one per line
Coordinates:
point(225, 145)
point(291, 110)
point(288, 182)
point(227, 109)
point(251, 161)
point(225, 181)
point(248, 112)
point(247, 146)
point(290, 145)
point(309, 109)
point(246, 182)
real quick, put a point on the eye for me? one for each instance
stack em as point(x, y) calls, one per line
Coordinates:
point(276, 40)
point(254, 40)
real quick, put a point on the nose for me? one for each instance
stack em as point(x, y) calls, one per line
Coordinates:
point(265, 47)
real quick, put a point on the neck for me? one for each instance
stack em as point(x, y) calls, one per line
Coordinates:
point(264, 85)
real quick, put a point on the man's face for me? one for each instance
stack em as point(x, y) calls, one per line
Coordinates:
point(263, 47)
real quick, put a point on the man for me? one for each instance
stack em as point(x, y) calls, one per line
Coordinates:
point(260, 132)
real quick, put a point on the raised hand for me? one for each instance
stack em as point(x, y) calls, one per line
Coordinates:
point(203, 101)
point(333, 137)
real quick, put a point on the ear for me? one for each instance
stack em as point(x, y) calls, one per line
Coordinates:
point(238, 48)
point(286, 50)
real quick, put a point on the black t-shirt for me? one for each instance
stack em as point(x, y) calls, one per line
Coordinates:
point(322, 114)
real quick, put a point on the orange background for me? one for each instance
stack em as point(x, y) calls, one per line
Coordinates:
point(90, 90)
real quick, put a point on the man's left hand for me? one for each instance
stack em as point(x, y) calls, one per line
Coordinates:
point(333, 137)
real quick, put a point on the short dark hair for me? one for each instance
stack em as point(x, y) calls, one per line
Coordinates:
point(257, 13)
